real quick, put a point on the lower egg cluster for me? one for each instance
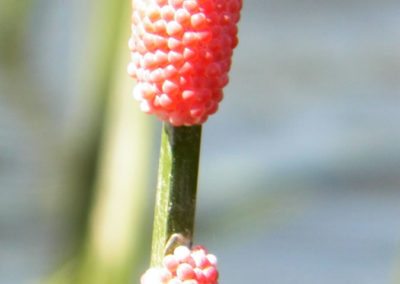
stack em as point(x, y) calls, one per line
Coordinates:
point(184, 266)
point(180, 56)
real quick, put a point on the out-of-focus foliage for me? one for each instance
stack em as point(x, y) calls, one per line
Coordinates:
point(13, 21)
point(76, 165)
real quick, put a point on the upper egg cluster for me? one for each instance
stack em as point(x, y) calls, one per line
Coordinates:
point(180, 56)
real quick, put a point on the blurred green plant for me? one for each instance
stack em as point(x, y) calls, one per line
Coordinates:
point(116, 222)
point(118, 165)
point(13, 19)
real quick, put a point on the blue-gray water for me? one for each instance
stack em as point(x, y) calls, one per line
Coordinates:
point(300, 168)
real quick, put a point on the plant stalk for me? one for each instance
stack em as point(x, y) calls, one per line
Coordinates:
point(177, 187)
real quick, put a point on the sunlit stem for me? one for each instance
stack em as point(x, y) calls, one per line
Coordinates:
point(177, 186)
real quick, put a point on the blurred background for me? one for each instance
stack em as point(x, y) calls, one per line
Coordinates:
point(300, 168)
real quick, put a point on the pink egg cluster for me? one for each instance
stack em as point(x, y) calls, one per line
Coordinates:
point(180, 56)
point(184, 266)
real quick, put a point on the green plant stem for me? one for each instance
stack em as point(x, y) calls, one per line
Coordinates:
point(177, 186)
